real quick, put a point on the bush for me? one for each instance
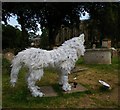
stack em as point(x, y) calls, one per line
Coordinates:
point(80, 60)
point(44, 42)
point(6, 65)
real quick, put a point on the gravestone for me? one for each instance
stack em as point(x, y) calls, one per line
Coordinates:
point(98, 56)
point(106, 43)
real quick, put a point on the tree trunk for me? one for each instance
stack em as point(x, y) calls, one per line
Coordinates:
point(24, 39)
point(52, 36)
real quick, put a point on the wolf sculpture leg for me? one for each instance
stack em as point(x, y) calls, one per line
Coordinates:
point(64, 80)
point(60, 79)
point(66, 86)
point(35, 75)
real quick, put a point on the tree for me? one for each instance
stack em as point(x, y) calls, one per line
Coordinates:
point(56, 14)
point(105, 18)
point(21, 10)
point(49, 15)
point(11, 37)
point(44, 43)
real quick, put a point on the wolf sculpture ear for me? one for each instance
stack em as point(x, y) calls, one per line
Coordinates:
point(82, 37)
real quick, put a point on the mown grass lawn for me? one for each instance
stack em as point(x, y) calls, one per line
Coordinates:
point(95, 97)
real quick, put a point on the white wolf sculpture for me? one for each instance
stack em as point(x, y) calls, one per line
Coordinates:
point(63, 59)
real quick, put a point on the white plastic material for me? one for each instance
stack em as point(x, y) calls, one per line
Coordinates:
point(63, 59)
point(104, 83)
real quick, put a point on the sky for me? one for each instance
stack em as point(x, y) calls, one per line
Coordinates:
point(12, 21)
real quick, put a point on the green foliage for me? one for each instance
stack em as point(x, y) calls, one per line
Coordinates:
point(6, 65)
point(49, 15)
point(105, 18)
point(44, 41)
point(11, 37)
point(80, 61)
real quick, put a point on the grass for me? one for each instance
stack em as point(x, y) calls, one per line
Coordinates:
point(20, 97)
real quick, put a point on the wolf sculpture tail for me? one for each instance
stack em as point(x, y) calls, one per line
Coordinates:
point(16, 66)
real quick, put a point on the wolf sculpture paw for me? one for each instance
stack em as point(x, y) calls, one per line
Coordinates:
point(66, 87)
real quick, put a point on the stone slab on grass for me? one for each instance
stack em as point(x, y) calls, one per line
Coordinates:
point(79, 88)
point(50, 92)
